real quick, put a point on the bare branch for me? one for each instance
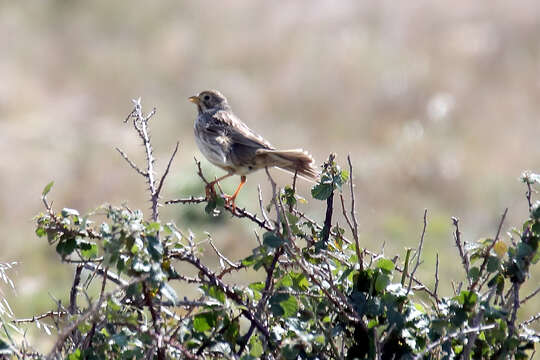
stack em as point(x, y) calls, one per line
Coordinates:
point(131, 163)
point(49, 314)
point(531, 295)
point(328, 218)
point(461, 248)
point(418, 252)
point(354, 228)
point(199, 172)
point(436, 274)
point(190, 200)
point(530, 320)
point(261, 206)
point(488, 250)
point(274, 198)
point(162, 180)
point(74, 290)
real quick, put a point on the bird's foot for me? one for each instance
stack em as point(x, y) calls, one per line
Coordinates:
point(229, 201)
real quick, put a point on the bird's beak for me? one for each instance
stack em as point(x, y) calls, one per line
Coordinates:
point(194, 99)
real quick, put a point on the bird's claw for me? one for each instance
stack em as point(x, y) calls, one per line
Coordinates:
point(229, 201)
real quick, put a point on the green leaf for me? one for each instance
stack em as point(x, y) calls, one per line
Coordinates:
point(210, 206)
point(300, 282)
point(467, 299)
point(322, 191)
point(66, 247)
point(47, 188)
point(216, 293)
point(141, 266)
point(84, 327)
point(344, 176)
point(76, 355)
point(536, 256)
point(523, 250)
point(41, 232)
point(493, 264)
point(233, 331)
point(257, 289)
point(220, 202)
point(285, 282)
point(91, 252)
point(382, 282)
point(283, 305)
point(168, 292)
point(385, 265)
point(120, 340)
point(272, 240)
point(255, 347)
point(155, 247)
point(474, 273)
point(204, 321)
point(153, 227)
point(69, 212)
point(536, 228)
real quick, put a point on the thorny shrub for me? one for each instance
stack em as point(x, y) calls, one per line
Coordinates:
point(322, 295)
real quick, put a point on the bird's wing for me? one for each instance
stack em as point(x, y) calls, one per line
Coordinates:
point(227, 124)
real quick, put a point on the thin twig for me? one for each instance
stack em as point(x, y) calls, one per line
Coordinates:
point(436, 274)
point(328, 218)
point(261, 206)
point(243, 213)
point(488, 250)
point(190, 200)
point(418, 252)
point(74, 290)
point(354, 228)
point(530, 320)
point(109, 274)
point(274, 198)
point(530, 296)
point(461, 248)
point(156, 321)
point(131, 163)
point(162, 180)
point(89, 337)
point(515, 307)
point(199, 171)
point(49, 314)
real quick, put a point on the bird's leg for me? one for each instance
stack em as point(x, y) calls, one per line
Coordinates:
point(230, 199)
point(209, 189)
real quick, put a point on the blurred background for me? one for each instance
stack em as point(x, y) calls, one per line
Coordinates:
point(437, 104)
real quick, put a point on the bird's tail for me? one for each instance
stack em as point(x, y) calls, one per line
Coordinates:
point(296, 160)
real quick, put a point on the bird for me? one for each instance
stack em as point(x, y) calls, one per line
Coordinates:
point(231, 145)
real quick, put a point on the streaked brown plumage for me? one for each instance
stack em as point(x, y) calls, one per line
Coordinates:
point(228, 143)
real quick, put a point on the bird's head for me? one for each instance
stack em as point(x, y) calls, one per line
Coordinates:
point(210, 100)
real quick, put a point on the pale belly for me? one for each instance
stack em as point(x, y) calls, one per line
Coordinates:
point(214, 154)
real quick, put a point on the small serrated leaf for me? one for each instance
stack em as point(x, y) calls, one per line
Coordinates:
point(168, 292)
point(272, 240)
point(322, 191)
point(47, 188)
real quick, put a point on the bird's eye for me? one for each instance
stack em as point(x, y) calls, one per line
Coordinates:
point(206, 97)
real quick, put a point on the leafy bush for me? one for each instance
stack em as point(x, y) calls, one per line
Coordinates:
point(322, 295)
